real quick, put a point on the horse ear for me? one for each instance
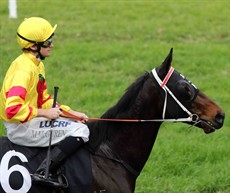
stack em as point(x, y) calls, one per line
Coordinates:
point(165, 66)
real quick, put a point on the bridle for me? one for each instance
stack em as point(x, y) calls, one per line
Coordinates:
point(192, 118)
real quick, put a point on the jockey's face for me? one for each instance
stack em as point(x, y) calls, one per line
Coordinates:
point(45, 52)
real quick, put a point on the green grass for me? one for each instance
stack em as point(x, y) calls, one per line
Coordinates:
point(101, 47)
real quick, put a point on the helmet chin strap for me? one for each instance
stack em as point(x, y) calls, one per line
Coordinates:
point(191, 117)
point(40, 56)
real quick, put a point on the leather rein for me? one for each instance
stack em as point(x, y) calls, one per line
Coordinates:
point(191, 117)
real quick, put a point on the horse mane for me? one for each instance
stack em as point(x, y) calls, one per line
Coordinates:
point(122, 108)
point(103, 130)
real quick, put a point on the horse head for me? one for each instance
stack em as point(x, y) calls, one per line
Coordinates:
point(186, 100)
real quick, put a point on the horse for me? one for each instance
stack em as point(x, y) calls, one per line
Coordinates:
point(121, 140)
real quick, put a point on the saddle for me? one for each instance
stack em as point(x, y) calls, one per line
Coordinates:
point(18, 162)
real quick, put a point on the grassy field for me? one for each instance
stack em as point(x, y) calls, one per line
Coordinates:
point(101, 47)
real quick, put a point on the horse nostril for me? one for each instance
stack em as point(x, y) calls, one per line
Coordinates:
point(219, 118)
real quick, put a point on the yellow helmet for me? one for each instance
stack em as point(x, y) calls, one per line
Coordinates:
point(34, 30)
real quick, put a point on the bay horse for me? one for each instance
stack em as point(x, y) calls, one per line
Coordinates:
point(121, 141)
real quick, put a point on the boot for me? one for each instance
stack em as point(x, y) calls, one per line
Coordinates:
point(39, 177)
point(67, 147)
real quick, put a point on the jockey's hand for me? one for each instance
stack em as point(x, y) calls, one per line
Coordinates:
point(82, 116)
point(52, 113)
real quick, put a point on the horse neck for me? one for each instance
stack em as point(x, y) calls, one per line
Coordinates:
point(133, 142)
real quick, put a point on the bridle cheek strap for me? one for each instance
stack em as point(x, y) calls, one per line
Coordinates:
point(163, 86)
point(191, 117)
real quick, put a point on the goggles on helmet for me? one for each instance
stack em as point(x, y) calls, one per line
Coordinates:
point(44, 44)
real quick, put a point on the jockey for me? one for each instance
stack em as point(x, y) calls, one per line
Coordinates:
point(26, 107)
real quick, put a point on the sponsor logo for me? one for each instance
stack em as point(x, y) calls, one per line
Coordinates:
point(47, 124)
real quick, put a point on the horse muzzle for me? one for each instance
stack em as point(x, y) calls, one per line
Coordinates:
point(211, 126)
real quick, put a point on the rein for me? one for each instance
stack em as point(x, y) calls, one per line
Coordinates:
point(191, 117)
point(77, 118)
point(72, 116)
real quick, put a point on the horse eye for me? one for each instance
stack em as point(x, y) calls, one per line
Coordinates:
point(184, 91)
point(189, 91)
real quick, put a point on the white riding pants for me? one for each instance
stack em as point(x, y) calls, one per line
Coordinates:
point(36, 132)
